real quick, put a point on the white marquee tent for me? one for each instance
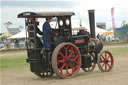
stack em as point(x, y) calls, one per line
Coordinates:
point(22, 34)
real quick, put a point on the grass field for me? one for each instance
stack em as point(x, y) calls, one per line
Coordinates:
point(8, 61)
point(13, 60)
point(115, 44)
point(122, 51)
point(12, 63)
point(12, 51)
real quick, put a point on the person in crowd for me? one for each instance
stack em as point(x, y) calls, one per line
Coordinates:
point(16, 43)
point(126, 36)
point(5, 43)
point(99, 36)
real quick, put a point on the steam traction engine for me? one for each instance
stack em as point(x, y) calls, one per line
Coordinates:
point(69, 51)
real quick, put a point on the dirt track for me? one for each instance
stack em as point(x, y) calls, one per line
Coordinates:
point(118, 76)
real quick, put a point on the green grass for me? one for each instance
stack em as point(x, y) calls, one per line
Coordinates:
point(12, 51)
point(115, 43)
point(13, 63)
point(120, 51)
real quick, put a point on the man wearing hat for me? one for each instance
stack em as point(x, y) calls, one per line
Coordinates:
point(47, 33)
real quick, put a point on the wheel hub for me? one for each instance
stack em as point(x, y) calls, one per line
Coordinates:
point(68, 61)
point(106, 61)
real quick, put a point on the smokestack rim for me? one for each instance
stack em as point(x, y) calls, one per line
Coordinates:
point(91, 11)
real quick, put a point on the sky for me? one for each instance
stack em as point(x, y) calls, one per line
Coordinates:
point(11, 8)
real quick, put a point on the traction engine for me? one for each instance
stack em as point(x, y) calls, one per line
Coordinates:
point(69, 51)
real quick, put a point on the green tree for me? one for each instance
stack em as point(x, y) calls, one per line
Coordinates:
point(124, 26)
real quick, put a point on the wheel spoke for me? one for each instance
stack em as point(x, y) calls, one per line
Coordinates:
point(105, 67)
point(75, 58)
point(62, 66)
point(102, 65)
point(71, 65)
point(102, 56)
point(66, 68)
point(105, 55)
point(109, 60)
point(108, 57)
point(101, 61)
point(67, 73)
point(61, 54)
point(77, 62)
point(68, 47)
point(60, 61)
point(76, 67)
point(66, 50)
point(109, 66)
point(71, 52)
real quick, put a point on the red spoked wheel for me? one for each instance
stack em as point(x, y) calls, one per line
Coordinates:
point(93, 65)
point(105, 61)
point(44, 74)
point(66, 60)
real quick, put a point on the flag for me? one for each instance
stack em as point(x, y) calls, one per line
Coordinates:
point(113, 21)
point(112, 11)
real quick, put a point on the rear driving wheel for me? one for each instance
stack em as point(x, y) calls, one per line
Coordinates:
point(93, 65)
point(66, 60)
point(105, 61)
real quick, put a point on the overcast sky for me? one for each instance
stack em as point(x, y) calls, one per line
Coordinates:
point(10, 9)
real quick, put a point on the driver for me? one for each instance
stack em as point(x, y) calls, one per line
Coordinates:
point(47, 34)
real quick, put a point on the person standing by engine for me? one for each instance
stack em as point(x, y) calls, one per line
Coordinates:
point(47, 34)
point(126, 36)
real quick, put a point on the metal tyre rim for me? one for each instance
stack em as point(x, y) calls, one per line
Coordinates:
point(105, 61)
point(66, 60)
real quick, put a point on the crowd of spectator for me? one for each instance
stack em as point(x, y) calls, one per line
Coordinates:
point(107, 38)
point(12, 43)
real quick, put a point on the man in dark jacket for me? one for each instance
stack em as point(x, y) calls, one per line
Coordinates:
point(47, 34)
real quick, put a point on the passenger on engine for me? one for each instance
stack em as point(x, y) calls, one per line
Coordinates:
point(82, 32)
